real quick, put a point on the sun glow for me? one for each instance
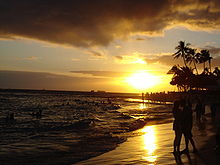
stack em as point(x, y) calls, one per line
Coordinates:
point(142, 80)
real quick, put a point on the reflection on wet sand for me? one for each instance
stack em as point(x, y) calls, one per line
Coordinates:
point(149, 143)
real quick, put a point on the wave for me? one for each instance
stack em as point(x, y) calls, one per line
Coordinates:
point(79, 126)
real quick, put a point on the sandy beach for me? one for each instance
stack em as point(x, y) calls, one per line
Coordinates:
point(154, 145)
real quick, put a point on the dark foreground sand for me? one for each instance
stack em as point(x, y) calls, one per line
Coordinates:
point(154, 145)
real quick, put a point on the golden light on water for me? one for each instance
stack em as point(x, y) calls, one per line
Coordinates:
point(149, 143)
point(142, 106)
point(142, 80)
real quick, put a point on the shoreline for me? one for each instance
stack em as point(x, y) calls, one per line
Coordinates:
point(123, 139)
point(127, 153)
point(204, 140)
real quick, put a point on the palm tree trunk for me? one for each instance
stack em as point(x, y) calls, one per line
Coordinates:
point(184, 60)
point(195, 67)
point(210, 67)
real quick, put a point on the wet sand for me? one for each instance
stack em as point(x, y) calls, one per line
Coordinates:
point(154, 145)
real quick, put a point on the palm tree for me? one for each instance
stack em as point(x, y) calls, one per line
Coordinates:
point(173, 70)
point(192, 57)
point(204, 57)
point(210, 67)
point(183, 77)
point(182, 49)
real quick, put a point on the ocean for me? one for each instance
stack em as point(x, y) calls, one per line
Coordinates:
point(61, 127)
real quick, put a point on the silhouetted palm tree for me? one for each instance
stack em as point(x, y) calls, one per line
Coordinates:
point(204, 57)
point(173, 70)
point(182, 49)
point(183, 77)
point(209, 60)
point(192, 57)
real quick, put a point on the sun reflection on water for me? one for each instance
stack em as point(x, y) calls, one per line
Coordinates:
point(149, 144)
point(142, 106)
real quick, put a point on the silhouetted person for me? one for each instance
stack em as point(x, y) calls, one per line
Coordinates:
point(187, 124)
point(198, 110)
point(203, 111)
point(217, 138)
point(213, 110)
point(10, 117)
point(143, 97)
point(177, 114)
point(37, 114)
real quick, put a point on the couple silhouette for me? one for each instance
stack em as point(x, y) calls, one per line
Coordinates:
point(182, 125)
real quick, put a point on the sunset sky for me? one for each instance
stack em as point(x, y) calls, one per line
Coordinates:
point(101, 45)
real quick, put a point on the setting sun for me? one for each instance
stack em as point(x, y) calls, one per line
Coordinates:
point(142, 80)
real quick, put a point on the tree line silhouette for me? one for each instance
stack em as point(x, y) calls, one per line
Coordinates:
point(184, 77)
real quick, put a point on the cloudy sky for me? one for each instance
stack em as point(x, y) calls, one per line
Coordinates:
point(96, 44)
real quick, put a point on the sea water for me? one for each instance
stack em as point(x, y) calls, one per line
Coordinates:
point(55, 127)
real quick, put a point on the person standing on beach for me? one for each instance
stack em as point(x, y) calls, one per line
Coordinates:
point(177, 114)
point(187, 124)
point(198, 110)
point(203, 111)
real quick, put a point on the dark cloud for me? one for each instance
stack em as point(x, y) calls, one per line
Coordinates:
point(97, 22)
point(43, 80)
point(100, 80)
point(119, 57)
point(140, 39)
point(96, 54)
